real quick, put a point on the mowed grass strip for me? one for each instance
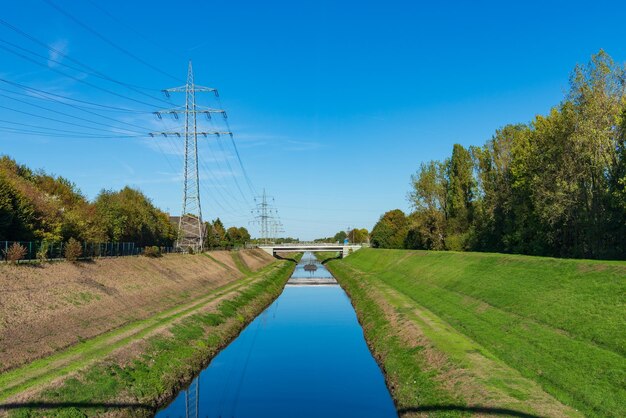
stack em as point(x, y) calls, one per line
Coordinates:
point(558, 322)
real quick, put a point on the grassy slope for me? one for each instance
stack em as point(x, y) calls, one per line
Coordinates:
point(558, 322)
point(167, 362)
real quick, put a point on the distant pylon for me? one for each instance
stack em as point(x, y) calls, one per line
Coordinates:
point(190, 228)
point(264, 217)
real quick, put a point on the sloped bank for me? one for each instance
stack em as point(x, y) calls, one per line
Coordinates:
point(48, 307)
point(461, 333)
point(141, 376)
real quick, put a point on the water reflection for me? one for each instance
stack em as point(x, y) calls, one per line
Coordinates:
point(301, 272)
point(304, 356)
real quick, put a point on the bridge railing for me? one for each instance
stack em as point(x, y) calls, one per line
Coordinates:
point(308, 244)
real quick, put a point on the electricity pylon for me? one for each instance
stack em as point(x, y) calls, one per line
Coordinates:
point(264, 217)
point(192, 398)
point(190, 227)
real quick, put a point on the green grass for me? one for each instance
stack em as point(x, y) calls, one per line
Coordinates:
point(326, 256)
point(560, 323)
point(168, 362)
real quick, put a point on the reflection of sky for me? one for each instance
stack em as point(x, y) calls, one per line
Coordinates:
point(304, 356)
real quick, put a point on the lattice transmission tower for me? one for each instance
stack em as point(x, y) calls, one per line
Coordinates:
point(190, 227)
point(265, 215)
point(192, 399)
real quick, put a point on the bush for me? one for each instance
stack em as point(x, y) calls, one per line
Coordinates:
point(153, 251)
point(15, 253)
point(190, 250)
point(73, 250)
point(42, 252)
point(457, 242)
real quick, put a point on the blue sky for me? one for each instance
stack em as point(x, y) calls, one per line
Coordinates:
point(333, 104)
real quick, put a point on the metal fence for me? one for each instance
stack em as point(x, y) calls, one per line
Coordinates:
point(56, 250)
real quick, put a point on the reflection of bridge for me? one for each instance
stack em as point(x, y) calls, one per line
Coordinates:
point(343, 249)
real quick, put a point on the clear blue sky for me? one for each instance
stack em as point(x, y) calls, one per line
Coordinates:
point(333, 104)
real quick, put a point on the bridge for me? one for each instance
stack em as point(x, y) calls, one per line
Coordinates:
point(343, 249)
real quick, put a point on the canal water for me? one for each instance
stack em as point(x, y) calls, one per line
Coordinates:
point(304, 356)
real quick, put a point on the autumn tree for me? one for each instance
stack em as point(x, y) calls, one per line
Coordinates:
point(129, 216)
point(357, 235)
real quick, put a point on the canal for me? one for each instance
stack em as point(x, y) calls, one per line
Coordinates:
point(304, 356)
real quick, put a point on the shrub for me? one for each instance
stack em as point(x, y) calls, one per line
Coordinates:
point(153, 251)
point(42, 252)
point(73, 250)
point(15, 252)
point(457, 242)
point(190, 250)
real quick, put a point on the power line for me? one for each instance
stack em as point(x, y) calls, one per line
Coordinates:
point(91, 71)
point(65, 114)
point(52, 135)
point(143, 129)
point(230, 169)
point(61, 131)
point(133, 29)
point(75, 78)
point(105, 39)
point(232, 140)
point(176, 144)
point(40, 92)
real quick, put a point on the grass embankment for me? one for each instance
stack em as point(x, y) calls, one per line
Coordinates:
point(142, 376)
point(472, 332)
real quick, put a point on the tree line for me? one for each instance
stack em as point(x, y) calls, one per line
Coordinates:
point(555, 186)
point(356, 235)
point(36, 206)
point(217, 236)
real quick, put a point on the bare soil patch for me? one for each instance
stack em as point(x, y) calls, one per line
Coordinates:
point(255, 259)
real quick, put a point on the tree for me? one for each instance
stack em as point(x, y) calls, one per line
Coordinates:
point(501, 199)
point(391, 230)
point(244, 234)
point(556, 186)
point(129, 216)
point(429, 197)
point(17, 216)
point(340, 236)
point(237, 236)
point(460, 194)
point(357, 235)
point(426, 231)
